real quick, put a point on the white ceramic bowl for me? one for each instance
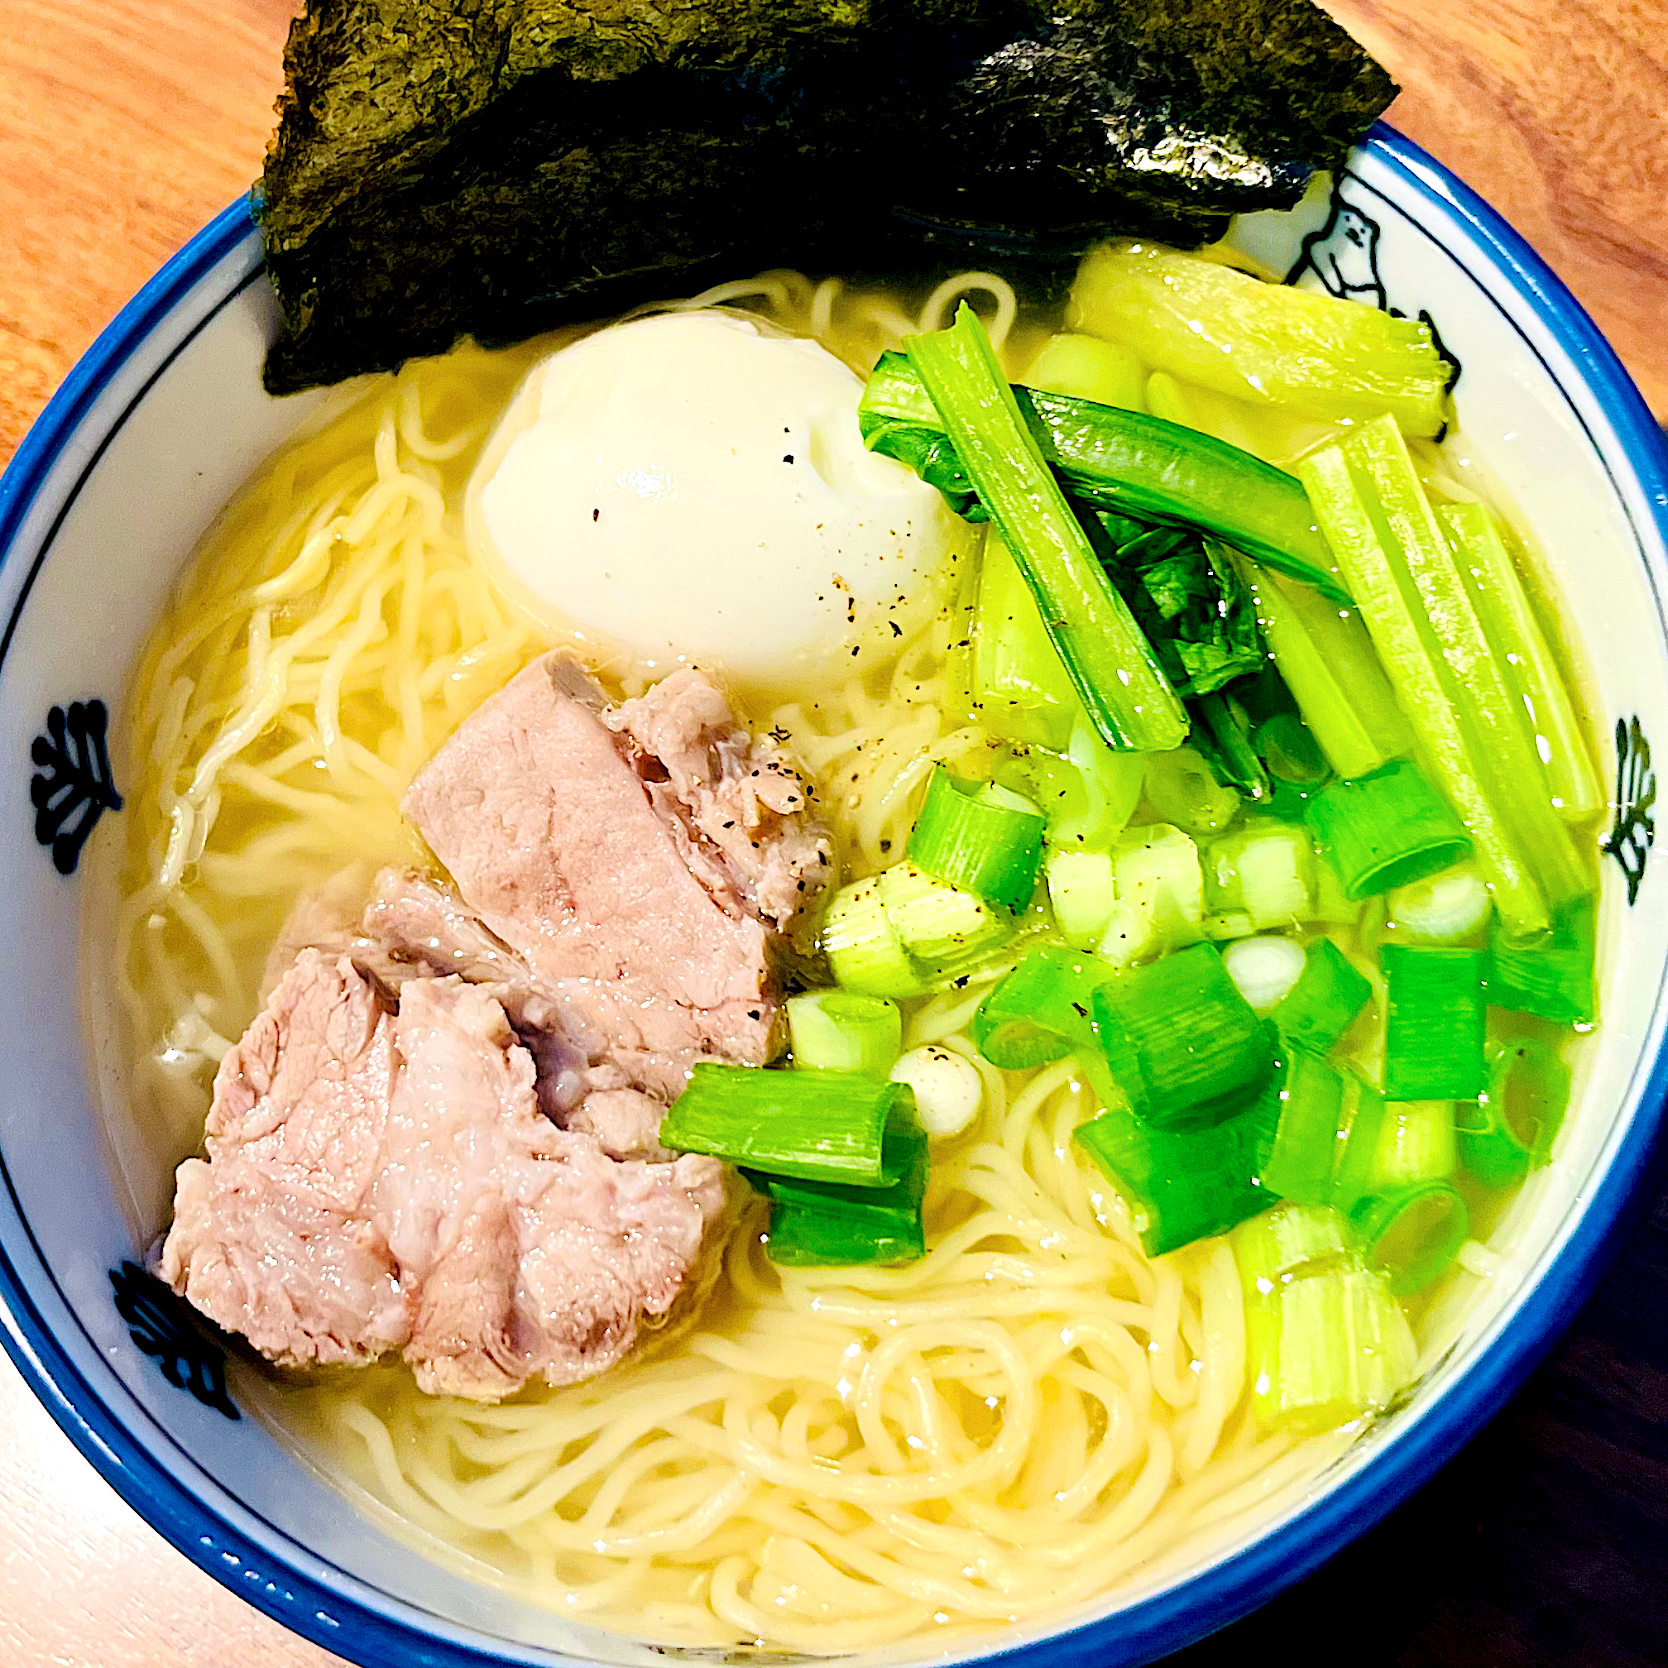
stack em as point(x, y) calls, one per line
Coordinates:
point(110, 492)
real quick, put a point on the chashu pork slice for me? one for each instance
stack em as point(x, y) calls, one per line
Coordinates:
point(616, 872)
point(380, 1177)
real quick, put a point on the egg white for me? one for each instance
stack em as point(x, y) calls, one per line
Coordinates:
point(693, 487)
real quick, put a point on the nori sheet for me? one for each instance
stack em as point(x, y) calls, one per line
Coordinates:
point(498, 167)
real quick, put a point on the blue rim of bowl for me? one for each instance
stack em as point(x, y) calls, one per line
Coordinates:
point(1198, 1605)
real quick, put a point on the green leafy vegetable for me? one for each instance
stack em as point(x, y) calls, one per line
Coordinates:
point(1110, 662)
point(1115, 461)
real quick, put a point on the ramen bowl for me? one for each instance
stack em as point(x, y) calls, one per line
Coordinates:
point(112, 490)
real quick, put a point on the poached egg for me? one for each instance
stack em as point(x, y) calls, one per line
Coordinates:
point(694, 487)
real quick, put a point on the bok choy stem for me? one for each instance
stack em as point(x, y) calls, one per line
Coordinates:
point(1392, 550)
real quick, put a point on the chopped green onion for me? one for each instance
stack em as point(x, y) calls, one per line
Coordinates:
point(829, 1126)
point(1180, 1184)
point(1386, 830)
point(1415, 1144)
point(1161, 893)
point(1117, 461)
point(1182, 1042)
point(979, 837)
point(1270, 344)
point(1391, 547)
point(1183, 790)
point(1264, 969)
point(1324, 1002)
point(1442, 908)
point(1552, 977)
point(1520, 648)
point(1088, 793)
point(864, 951)
point(1510, 1131)
point(1325, 1348)
point(1289, 1242)
point(1267, 869)
point(1082, 891)
point(1413, 1233)
point(1435, 1013)
point(837, 1030)
point(1331, 905)
point(947, 1086)
point(1299, 1152)
point(1042, 1011)
point(1111, 664)
point(942, 927)
point(1326, 658)
point(1086, 368)
point(822, 1224)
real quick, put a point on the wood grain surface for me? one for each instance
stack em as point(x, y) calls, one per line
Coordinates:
point(125, 124)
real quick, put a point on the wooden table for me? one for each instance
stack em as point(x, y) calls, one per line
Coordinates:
point(124, 124)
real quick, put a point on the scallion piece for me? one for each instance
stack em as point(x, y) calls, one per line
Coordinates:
point(1326, 1347)
point(1385, 830)
point(1160, 893)
point(1552, 977)
point(942, 927)
point(863, 948)
point(1266, 869)
point(1520, 648)
point(1180, 1184)
point(1183, 790)
point(827, 1126)
point(1289, 1242)
point(1413, 1233)
point(1112, 666)
point(1435, 1013)
point(1392, 549)
point(832, 1224)
point(1300, 1152)
point(1326, 658)
point(838, 1030)
point(1042, 1011)
point(1510, 1131)
point(1415, 1144)
point(1181, 1041)
point(1443, 908)
point(1082, 891)
point(1288, 747)
point(1265, 969)
point(979, 837)
point(947, 1085)
point(1358, 1133)
point(1322, 1005)
point(1088, 793)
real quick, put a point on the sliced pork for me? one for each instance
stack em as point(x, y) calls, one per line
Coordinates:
point(380, 1177)
point(585, 851)
point(736, 803)
point(441, 1133)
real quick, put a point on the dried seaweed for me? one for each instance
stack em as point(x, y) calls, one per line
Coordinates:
point(495, 167)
